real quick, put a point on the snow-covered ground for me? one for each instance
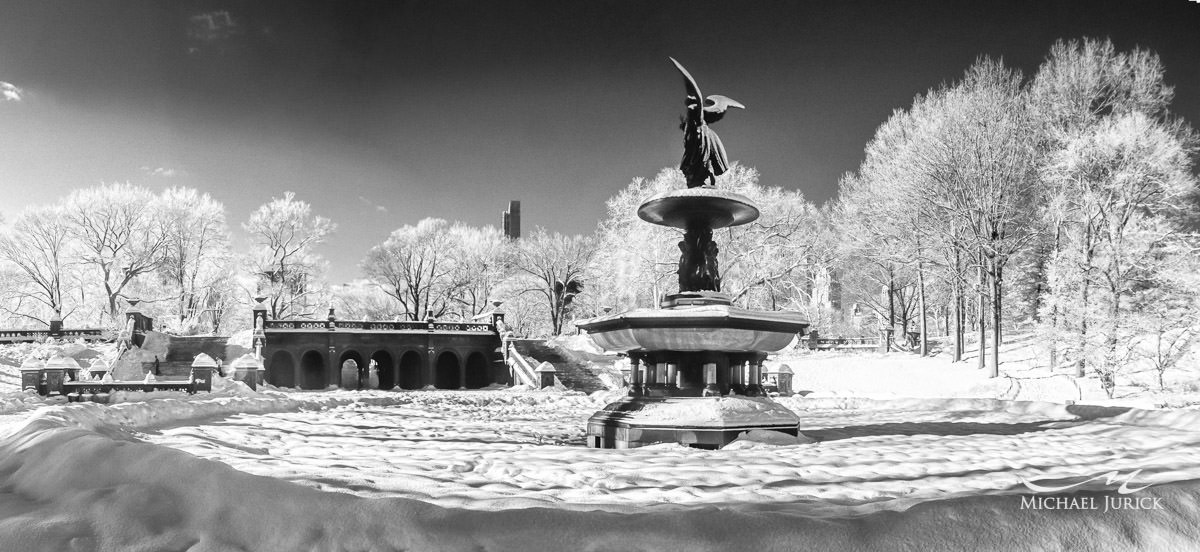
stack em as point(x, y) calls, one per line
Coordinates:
point(507, 470)
point(489, 450)
point(1023, 376)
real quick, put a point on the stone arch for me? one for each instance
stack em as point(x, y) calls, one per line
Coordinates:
point(446, 375)
point(312, 370)
point(477, 371)
point(386, 368)
point(410, 370)
point(282, 372)
point(352, 381)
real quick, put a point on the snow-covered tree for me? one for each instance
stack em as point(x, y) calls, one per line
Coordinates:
point(555, 266)
point(119, 234)
point(196, 266)
point(284, 234)
point(1118, 172)
point(436, 268)
point(37, 250)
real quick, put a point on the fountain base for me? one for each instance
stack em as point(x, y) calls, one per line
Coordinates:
point(701, 422)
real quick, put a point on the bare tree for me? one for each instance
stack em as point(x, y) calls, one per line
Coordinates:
point(37, 246)
point(983, 175)
point(119, 235)
point(284, 234)
point(556, 265)
point(195, 254)
point(1112, 158)
point(435, 267)
point(364, 300)
point(482, 259)
point(641, 259)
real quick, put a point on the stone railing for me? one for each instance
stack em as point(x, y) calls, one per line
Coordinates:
point(95, 391)
point(377, 326)
point(17, 336)
point(825, 343)
point(523, 373)
point(296, 325)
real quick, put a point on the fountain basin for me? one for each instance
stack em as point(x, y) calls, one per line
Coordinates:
point(694, 328)
point(707, 207)
point(701, 422)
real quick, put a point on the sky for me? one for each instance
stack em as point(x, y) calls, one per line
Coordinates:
point(383, 113)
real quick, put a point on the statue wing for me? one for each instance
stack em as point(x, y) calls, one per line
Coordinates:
point(690, 83)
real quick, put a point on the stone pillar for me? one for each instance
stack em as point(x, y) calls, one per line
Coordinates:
point(545, 372)
point(31, 375)
point(202, 373)
point(785, 380)
point(635, 373)
point(735, 369)
point(71, 367)
point(245, 370)
point(672, 378)
point(52, 380)
point(497, 315)
point(430, 363)
point(259, 336)
point(755, 388)
point(136, 323)
point(56, 325)
point(657, 377)
point(710, 380)
point(97, 368)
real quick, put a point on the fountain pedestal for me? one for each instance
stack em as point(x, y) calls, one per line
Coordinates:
point(695, 362)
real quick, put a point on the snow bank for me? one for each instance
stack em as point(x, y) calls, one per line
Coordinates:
point(20, 401)
point(488, 470)
point(74, 489)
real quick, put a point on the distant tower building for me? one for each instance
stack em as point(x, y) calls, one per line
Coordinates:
point(512, 220)
point(835, 289)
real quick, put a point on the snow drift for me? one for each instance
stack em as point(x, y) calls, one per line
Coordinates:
point(76, 477)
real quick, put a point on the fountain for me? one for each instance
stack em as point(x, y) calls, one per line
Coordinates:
point(696, 361)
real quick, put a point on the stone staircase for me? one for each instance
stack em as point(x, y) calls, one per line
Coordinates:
point(572, 367)
point(181, 351)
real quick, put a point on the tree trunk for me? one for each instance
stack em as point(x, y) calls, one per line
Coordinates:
point(997, 289)
point(891, 293)
point(958, 308)
point(1054, 306)
point(924, 316)
point(981, 315)
point(1114, 325)
point(1081, 364)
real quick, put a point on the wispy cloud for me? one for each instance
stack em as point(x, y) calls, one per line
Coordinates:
point(212, 31)
point(370, 203)
point(164, 172)
point(10, 92)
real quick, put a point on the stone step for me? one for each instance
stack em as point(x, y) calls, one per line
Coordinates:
point(170, 370)
point(572, 372)
point(185, 349)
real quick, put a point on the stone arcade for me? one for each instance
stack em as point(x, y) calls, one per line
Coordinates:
point(409, 355)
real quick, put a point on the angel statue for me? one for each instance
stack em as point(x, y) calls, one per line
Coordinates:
point(704, 156)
